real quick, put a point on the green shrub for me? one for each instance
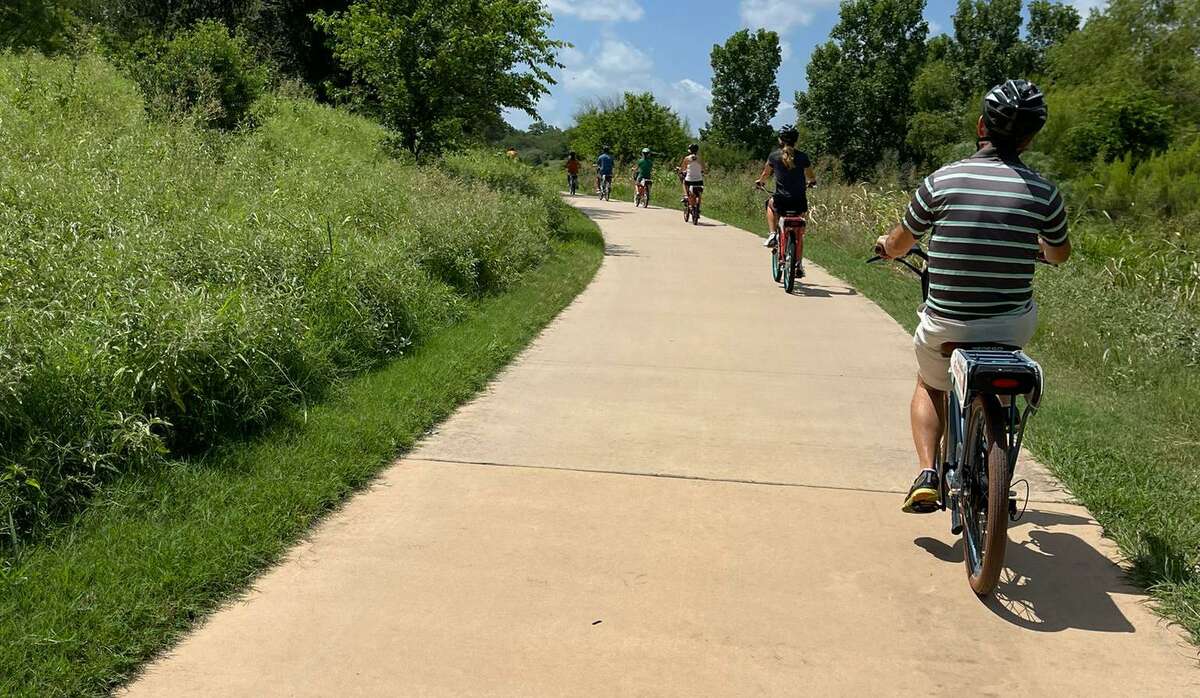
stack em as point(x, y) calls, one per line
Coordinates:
point(1165, 185)
point(204, 71)
point(163, 288)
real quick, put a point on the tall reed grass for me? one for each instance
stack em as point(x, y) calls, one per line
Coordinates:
point(163, 287)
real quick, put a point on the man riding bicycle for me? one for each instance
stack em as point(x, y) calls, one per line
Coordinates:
point(793, 174)
point(604, 168)
point(692, 169)
point(992, 217)
point(643, 171)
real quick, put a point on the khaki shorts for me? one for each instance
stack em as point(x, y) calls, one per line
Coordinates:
point(933, 332)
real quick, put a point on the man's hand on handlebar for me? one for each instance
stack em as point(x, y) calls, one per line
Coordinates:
point(881, 247)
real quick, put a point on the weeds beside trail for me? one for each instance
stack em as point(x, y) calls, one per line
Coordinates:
point(209, 340)
point(164, 287)
point(157, 550)
point(1120, 340)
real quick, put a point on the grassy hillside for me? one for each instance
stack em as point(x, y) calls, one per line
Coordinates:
point(208, 341)
point(164, 287)
point(1120, 340)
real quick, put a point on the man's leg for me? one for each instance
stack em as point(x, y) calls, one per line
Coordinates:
point(927, 415)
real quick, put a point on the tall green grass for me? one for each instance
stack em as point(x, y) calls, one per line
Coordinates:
point(1119, 337)
point(164, 287)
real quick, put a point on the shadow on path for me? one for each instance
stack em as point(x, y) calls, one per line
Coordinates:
point(615, 250)
point(810, 291)
point(1053, 580)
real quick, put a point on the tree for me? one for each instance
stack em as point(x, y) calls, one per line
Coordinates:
point(745, 95)
point(1050, 23)
point(860, 82)
point(429, 69)
point(634, 122)
point(39, 24)
point(938, 118)
point(987, 44)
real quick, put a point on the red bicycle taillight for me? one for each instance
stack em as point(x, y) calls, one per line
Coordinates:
point(1005, 383)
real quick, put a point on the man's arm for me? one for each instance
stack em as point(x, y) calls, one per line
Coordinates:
point(918, 219)
point(895, 244)
point(1055, 254)
point(1056, 246)
point(810, 175)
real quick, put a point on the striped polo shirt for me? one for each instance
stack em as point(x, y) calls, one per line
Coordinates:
point(987, 213)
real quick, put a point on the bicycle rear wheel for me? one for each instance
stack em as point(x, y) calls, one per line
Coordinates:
point(984, 499)
point(789, 266)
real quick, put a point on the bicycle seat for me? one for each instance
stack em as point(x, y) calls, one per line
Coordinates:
point(948, 348)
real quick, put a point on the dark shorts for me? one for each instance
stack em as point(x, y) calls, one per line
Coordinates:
point(698, 185)
point(605, 177)
point(785, 205)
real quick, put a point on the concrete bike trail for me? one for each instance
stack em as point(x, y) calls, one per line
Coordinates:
point(688, 485)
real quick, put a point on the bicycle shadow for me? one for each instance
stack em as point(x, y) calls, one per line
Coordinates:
point(596, 213)
point(810, 291)
point(612, 249)
point(1053, 580)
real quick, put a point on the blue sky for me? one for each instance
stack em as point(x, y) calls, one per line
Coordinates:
point(662, 46)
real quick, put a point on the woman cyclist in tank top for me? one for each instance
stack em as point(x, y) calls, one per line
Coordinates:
point(691, 168)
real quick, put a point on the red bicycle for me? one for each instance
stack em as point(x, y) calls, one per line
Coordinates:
point(787, 256)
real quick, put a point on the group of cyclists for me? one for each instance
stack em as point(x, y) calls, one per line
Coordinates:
point(988, 220)
point(690, 172)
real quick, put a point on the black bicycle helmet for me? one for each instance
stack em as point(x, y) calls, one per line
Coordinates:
point(1014, 110)
point(604, 149)
point(694, 148)
point(788, 135)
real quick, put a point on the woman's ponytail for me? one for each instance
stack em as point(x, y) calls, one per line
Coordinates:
point(789, 156)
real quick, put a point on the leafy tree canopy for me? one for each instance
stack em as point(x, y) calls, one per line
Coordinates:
point(860, 82)
point(627, 125)
point(431, 71)
point(745, 94)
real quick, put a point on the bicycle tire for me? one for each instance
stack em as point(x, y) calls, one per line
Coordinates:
point(789, 266)
point(985, 450)
point(776, 269)
point(696, 214)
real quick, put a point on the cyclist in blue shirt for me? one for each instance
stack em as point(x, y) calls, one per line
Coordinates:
point(604, 167)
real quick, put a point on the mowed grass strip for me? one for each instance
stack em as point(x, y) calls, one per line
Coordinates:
point(1119, 338)
point(157, 550)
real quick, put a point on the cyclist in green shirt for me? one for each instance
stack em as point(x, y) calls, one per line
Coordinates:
point(645, 168)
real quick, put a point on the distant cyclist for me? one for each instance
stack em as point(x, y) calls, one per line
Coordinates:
point(604, 168)
point(991, 217)
point(572, 171)
point(793, 174)
point(644, 171)
point(692, 169)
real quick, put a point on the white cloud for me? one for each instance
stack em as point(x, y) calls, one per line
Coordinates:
point(688, 99)
point(934, 28)
point(598, 10)
point(781, 15)
point(608, 69)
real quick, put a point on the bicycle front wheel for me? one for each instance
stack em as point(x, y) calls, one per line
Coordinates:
point(984, 498)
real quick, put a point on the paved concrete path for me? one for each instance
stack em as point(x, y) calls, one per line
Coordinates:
point(689, 485)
